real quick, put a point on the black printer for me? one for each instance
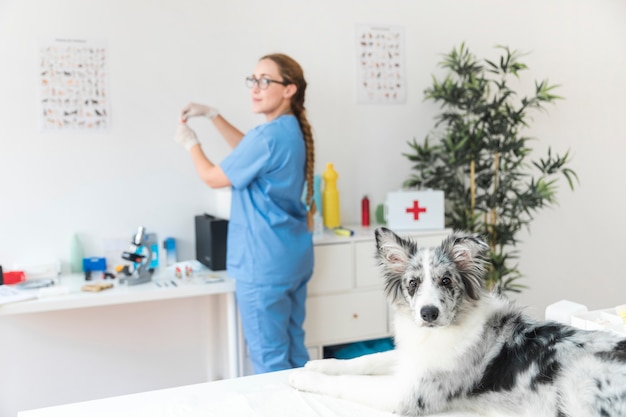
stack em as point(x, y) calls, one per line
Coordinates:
point(211, 235)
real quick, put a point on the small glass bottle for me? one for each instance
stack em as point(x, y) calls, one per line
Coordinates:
point(169, 244)
point(365, 212)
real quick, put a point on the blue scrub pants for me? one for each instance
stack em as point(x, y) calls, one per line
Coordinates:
point(272, 318)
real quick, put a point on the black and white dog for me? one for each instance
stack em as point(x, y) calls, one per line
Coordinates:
point(460, 348)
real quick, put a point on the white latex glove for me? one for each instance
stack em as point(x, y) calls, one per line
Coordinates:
point(186, 136)
point(195, 109)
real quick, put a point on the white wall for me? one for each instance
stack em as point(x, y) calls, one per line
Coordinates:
point(165, 53)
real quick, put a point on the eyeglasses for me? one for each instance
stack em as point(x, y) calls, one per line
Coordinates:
point(262, 82)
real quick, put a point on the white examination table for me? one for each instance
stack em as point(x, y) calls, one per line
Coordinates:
point(267, 395)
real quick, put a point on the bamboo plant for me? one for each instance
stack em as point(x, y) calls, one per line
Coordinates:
point(480, 157)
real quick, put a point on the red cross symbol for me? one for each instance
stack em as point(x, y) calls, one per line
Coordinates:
point(416, 210)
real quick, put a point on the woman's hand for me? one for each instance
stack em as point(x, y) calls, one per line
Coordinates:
point(186, 136)
point(195, 109)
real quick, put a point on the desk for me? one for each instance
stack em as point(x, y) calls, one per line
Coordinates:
point(120, 293)
point(81, 345)
point(124, 294)
point(266, 395)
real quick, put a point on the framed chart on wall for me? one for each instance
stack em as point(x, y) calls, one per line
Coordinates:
point(73, 85)
point(380, 64)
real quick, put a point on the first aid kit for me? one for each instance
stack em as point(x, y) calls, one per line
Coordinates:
point(415, 210)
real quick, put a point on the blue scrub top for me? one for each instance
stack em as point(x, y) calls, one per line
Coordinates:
point(268, 238)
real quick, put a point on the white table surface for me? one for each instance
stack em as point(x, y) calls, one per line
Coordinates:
point(266, 395)
point(120, 293)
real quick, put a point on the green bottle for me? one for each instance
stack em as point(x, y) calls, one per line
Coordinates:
point(76, 255)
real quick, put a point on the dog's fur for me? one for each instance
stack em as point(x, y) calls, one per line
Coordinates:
point(460, 348)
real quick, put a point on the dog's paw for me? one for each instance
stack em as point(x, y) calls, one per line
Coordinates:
point(305, 380)
point(326, 366)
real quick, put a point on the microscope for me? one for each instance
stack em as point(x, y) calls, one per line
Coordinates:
point(142, 272)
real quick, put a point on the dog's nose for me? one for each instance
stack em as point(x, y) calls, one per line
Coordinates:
point(429, 313)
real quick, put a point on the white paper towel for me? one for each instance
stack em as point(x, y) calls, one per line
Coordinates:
point(562, 311)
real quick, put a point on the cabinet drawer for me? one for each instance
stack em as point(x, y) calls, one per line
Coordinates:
point(341, 318)
point(366, 268)
point(333, 269)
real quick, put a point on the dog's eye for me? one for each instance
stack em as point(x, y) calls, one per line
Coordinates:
point(412, 286)
point(446, 281)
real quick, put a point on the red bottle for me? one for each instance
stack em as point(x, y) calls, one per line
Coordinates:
point(365, 212)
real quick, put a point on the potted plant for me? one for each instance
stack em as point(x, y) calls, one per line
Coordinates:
point(479, 156)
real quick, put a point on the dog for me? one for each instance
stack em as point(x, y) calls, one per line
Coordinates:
point(459, 347)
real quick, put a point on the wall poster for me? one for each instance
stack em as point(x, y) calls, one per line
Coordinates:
point(380, 64)
point(73, 82)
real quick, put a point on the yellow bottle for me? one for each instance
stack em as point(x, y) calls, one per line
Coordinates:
point(330, 198)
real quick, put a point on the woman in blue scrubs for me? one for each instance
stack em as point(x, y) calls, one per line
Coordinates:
point(270, 248)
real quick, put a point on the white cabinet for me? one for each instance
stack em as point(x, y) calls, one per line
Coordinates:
point(333, 269)
point(346, 301)
point(348, 316)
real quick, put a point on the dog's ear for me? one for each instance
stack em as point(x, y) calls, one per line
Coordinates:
point(469, 252)
point(392, 251)
point(466, 248)
point(393, 254)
